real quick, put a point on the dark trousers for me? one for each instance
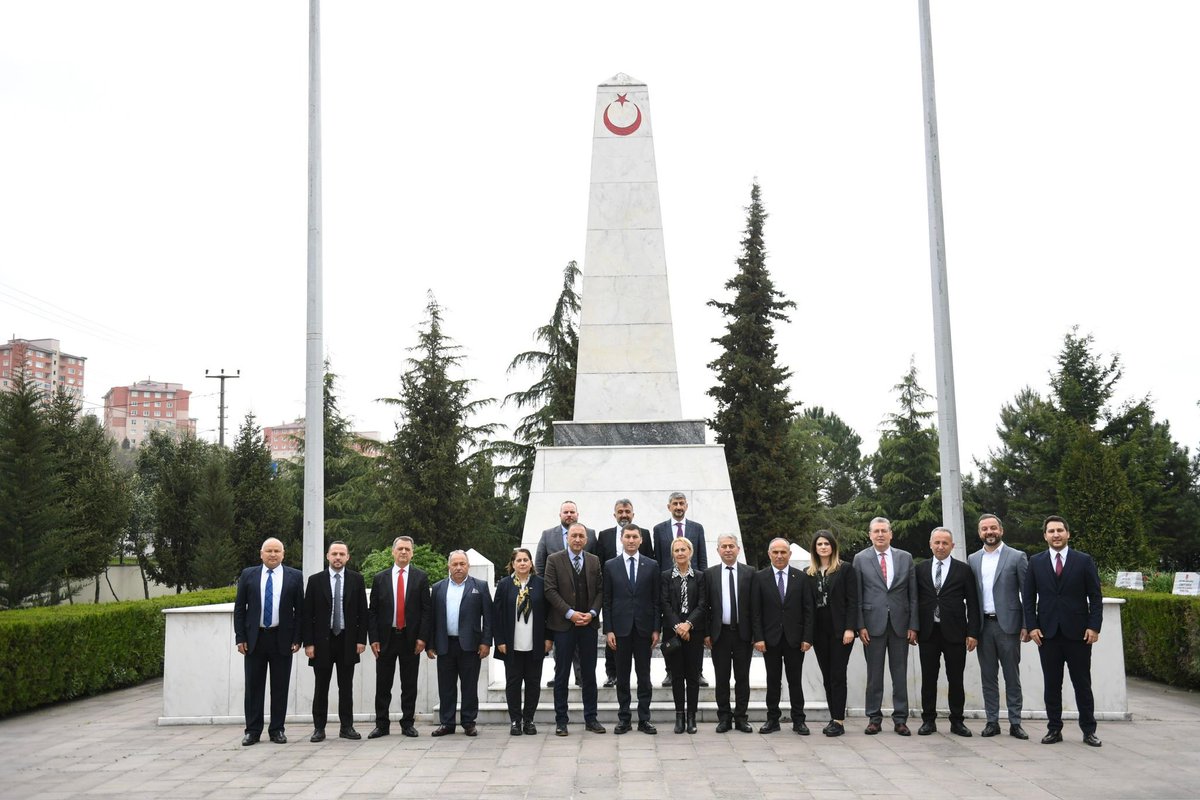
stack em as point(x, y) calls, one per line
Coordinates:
point(784, 660)
point(1077, 656)
point(610, 663)
point(833, 658)
point(266, 656)
point(633, 651)
point(397, 653)
point(731, 654)
point(457, 666)
point(566, 644)
point(322, 673)
point(523, 667)
point(932, 650)
point(684, 664)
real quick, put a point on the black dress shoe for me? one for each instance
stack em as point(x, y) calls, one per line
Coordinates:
point(317, 736)
point(377, 731)
point(408, 730)
point(873, 728)
point(529, 729)
point(1052, 737)
point(835, 729)
point(646, 727)
point(667, 681)
point(725, 726)
point(1017, 731)
point(703, 680)
point(549, 683)
point(349, 733)
point(595, 727)
point(469, 729)
point(560, 730)
point(1091, 740)
point(278, 738)
point(743, 725)
point(993, 729)
point(902, 729)
point(959, 729)
point(443, 730)
point(249, 739)
point(514, 729)
point(800, 728)
point(927, 728)
point(622, 727)
point(610, 682)
point(770, 726)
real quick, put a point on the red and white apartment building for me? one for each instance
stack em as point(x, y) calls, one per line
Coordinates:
point(44, 363)
point(132, 412)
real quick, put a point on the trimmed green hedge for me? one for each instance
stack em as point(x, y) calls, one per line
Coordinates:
point(1162, 636)
point(67, 652)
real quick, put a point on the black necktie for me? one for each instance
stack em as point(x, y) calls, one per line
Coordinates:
point(733, 615)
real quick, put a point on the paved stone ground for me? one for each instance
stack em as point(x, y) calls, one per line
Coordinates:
point(110, 745)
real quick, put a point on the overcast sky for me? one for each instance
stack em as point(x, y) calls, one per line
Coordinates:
point(153, 189)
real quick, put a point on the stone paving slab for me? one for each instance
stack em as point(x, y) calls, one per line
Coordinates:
point(111, 746)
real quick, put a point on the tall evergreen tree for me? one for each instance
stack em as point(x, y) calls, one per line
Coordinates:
point(754, 412)
point(426, 470)
point(905, 468)
point(216, 562)
point(173, 468)
point(832, 452)
point(261, 508)
point(551, 397)
point(32, 520)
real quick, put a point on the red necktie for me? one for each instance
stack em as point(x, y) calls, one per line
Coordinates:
point(883, 566)
point(1058, 565)
point(678, 530)
point(400, 600)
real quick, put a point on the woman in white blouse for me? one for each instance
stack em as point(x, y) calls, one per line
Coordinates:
point(519, 629)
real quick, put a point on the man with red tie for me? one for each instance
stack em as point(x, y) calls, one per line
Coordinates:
point(398, 627)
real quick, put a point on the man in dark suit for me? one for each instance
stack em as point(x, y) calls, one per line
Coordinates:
point(783, 617)
point(460, 638)
point(631, 619)
point(679, 525)
point(1063, 612)
point(573, 594)
point(948, 610)
point(608, 547)
point(267, 613)
point(729, 638)
point(1000, 576)
point(887, 622)
point(335, 635)
point(555, 539)
point(398, 627)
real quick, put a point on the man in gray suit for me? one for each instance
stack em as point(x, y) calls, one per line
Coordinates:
point(887, 622)
point(555, 539)
point(1000, 575)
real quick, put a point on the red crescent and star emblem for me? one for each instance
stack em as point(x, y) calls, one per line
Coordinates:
point(623, 130)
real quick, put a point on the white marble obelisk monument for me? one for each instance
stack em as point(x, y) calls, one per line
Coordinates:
point(627, 438)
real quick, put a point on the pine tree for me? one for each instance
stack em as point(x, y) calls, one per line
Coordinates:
point(905, 468)
point(754, 412)
point(216, 561)
point(426, 470)
point(260, 503)
point(32, 521)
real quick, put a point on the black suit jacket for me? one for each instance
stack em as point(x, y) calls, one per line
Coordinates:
point(504, 613)
point(664, 532)
point(318, 615)
point(714, 584)
point(957, 603)
point(474, 616)
point(381, 618)
point(1071, 604)
point(793, 619)
point(671, 603)
point(631, 609)
point(843, 600)
point(247, 608)
point(560, 589)
point(608, 548)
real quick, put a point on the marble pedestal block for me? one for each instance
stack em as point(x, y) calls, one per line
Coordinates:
point(204, 676)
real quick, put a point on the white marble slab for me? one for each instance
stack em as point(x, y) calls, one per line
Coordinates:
point(623, 159)
point(618, 206)
point(631, 300)
point(625, 252)
point(650, 396)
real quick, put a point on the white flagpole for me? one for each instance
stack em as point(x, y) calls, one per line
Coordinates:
point(314, 385)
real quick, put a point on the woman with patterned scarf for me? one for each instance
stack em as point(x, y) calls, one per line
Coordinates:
point(519, 625)
point(683, 609)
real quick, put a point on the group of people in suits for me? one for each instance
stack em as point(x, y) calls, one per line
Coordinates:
point(639, 595)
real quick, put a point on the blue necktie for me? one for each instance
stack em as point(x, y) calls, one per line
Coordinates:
point(631, 575)
point(269, 600)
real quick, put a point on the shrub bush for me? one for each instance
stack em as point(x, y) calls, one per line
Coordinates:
point(1162, 636)
point(67, 652)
